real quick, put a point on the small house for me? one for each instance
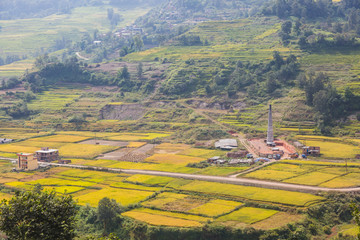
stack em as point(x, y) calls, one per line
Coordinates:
point(47, 155)
point(26, 162)
point(213, 159)
point(310, 150)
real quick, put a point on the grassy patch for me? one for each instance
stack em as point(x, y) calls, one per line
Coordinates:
point(204, 153)
point(270, 175)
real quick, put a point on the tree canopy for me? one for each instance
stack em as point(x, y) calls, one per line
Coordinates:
point(37, 214)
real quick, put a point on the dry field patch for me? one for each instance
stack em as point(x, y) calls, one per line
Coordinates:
point(173, 159)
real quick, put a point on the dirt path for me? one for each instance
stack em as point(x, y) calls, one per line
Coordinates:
point(251, 169)
point(81, 57)
point(229, 180)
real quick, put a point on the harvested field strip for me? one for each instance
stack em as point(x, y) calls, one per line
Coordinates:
point(172, 147)
point(173, 159)
point(122, 196)
point(254, 193)
point(160, 220)
point(60, 138)
point(314, 178)
point(138, 136)
point(150, 180)
point(88, 134)
point(84, 150)
point(248, 215)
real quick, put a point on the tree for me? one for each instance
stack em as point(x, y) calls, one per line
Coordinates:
point(37, 214)
point(356, 213)
point(108, 214)
point(139, 69)
point(286, 27)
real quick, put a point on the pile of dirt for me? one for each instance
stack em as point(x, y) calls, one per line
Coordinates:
point(122, 112)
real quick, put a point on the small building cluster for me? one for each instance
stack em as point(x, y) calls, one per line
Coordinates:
point(29, 161)
point(128, 31)
point(311, 151)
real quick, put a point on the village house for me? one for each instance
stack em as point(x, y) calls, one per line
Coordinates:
point(26, 162)
point(310, 150)
point(47, 155)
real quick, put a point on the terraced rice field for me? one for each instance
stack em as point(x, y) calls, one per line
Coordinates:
point(84, 150)
point(138, 136)
point(162, 218)
point(325, 174)
point(253, 193)
point(248, 215)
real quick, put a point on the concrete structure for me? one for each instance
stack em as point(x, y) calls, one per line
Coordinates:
point(47, 155)
point(270, 130)
point(5, 140)
point(226, 144)
point(26, 162)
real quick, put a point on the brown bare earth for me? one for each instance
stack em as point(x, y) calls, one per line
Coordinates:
point(122, 112)
point(116, 155)
point(104, 142)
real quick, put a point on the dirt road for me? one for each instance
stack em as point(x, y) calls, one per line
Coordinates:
point(229, 180)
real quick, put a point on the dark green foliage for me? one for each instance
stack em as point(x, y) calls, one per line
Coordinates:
point(108, 214)
point(9, 83)
point(18, 110)
point(34, 215)
point(356, 213)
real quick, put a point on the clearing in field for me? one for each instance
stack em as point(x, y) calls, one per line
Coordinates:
point(76, 150)
point(123, 196)
point(173, 159)
point(248, 215)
